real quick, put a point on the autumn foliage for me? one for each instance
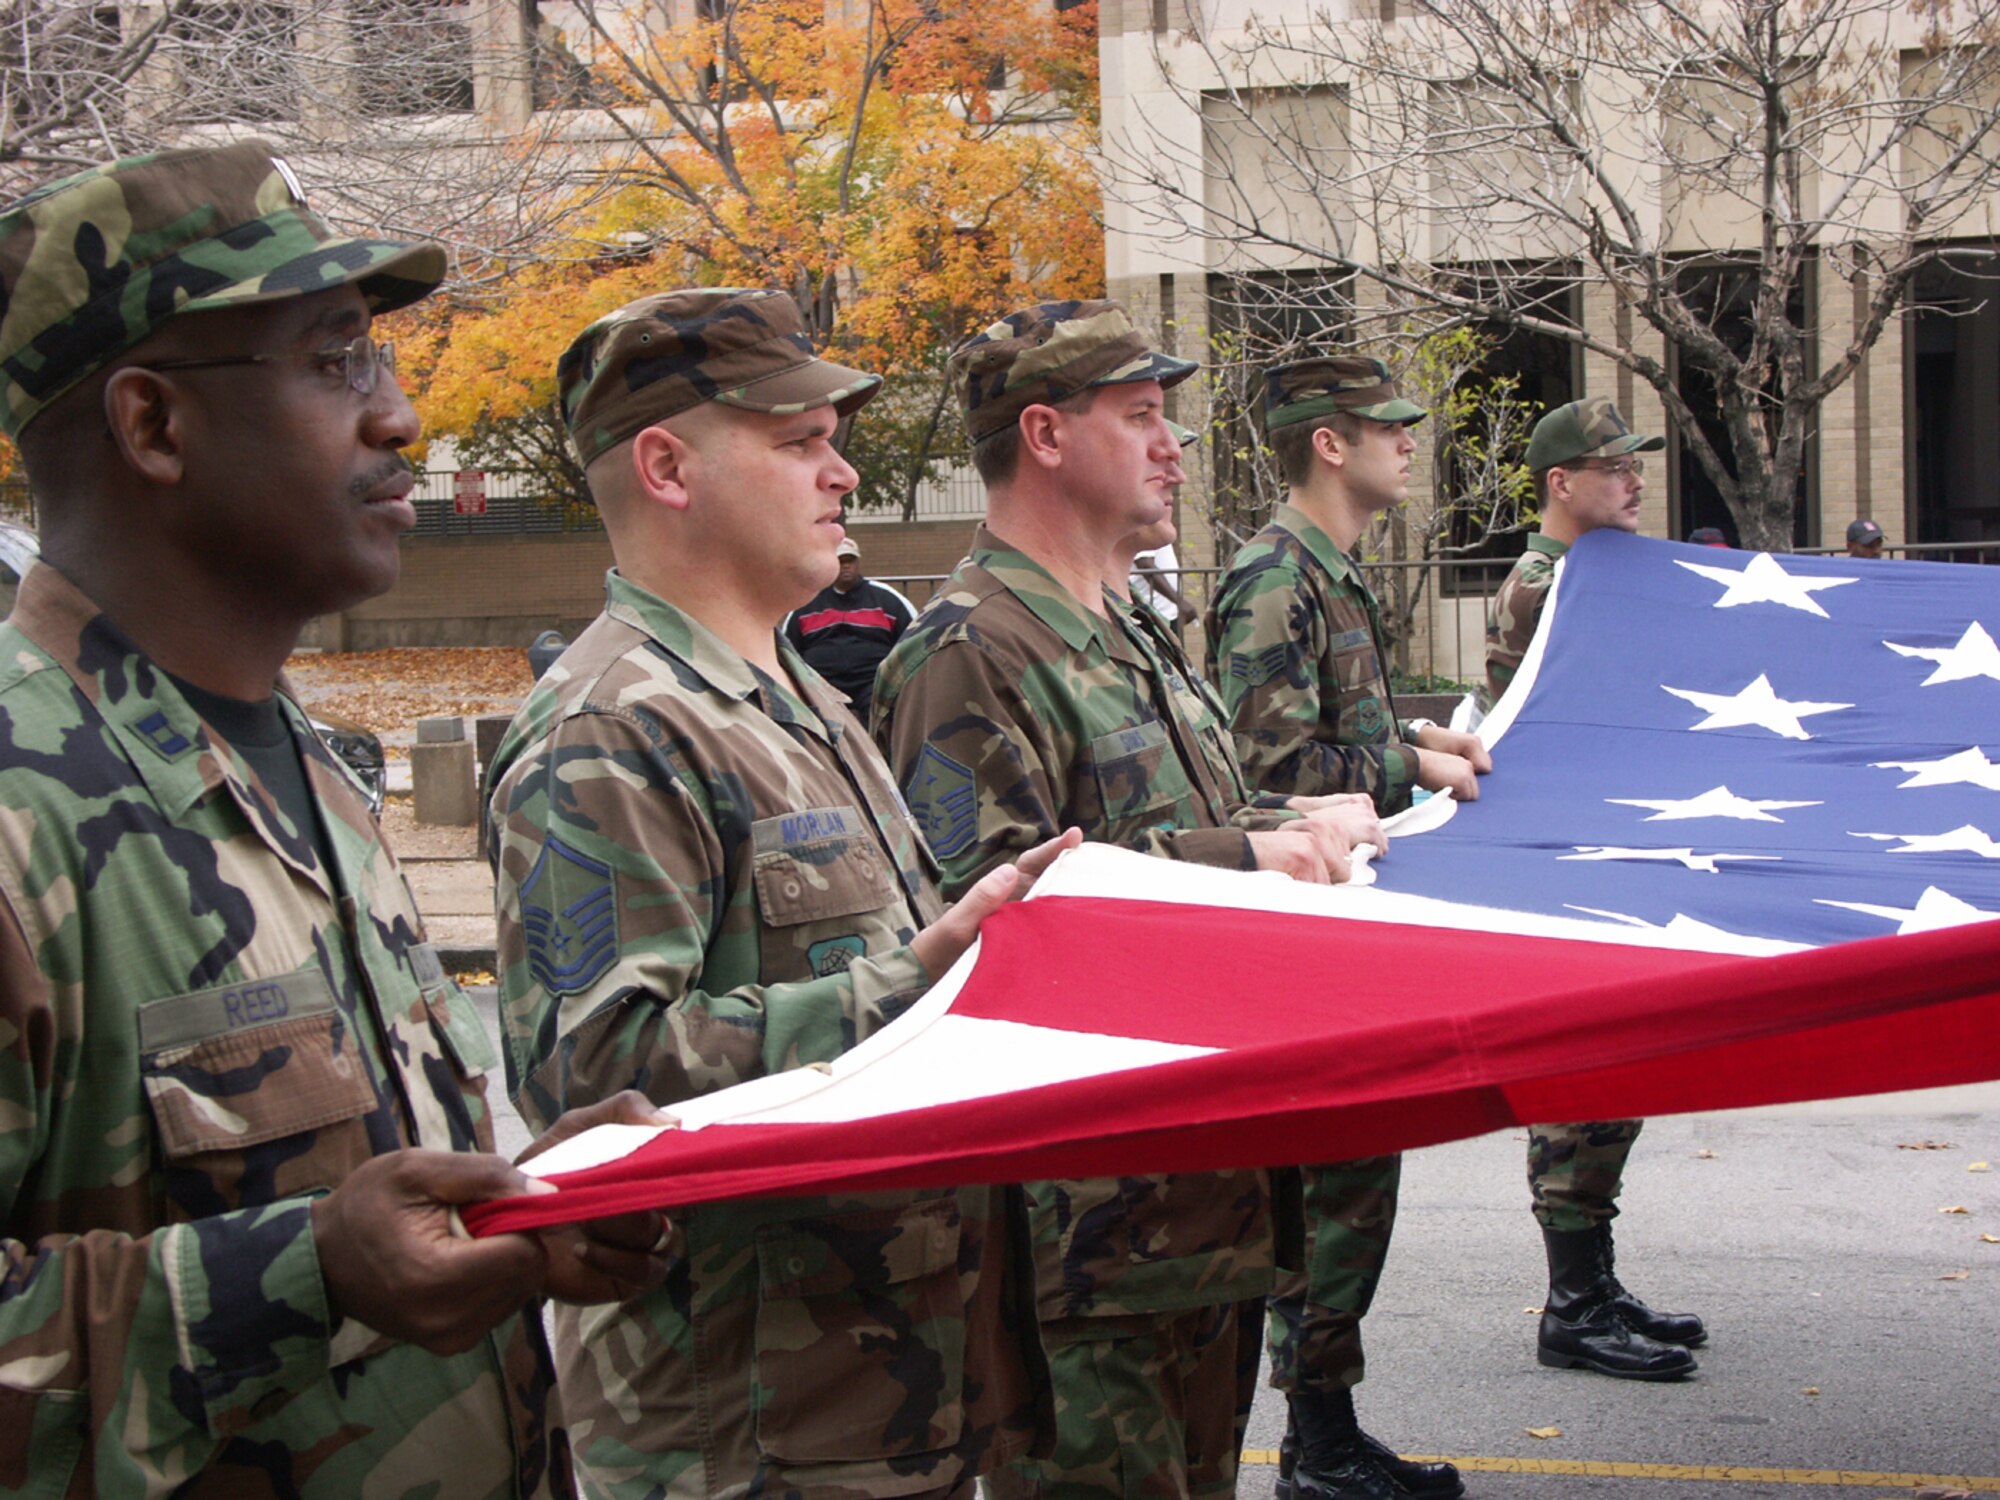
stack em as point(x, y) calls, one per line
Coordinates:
point(905, 170)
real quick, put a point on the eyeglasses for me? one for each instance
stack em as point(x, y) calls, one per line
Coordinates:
point(1624, 468)
point(363, 361)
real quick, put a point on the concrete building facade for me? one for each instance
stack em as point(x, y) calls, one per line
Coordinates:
point(1192, 106)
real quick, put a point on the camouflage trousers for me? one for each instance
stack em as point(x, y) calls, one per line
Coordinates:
point(1334, 1224)
point(1575, 1171)
point(1148, 1407)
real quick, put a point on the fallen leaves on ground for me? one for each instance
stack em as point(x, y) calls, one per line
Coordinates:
point(1954, 1208)
point(1956, 1276)
point(388, 691)
point(1989, 1239)
point(1704, 1154)
point(473, 978)
point(1926, 1145)
point(1980, 1166)
point(1940, 1492)
point(1811, 1390)
point(1545, 1432)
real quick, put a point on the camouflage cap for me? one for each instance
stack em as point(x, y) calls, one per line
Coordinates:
point(1308, 389)
point(1048, 353)
point(92, 263)
point(1590, 428)
point(1185, 436)
point(672, 350)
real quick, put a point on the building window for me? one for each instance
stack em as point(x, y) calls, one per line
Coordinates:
point(1257, 320)
point(415, 57)
point(1722, 296)
point(237, 62)
point(1951, 366)
point(1479, 446)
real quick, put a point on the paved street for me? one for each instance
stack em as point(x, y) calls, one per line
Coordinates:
point(1813, 1246)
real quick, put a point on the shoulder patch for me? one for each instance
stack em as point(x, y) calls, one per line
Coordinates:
point(944, 801)
point(1255, 668)
point(569, 918)
point(833, 956)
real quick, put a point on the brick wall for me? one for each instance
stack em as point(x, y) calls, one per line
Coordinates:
point(895, 549)
point(504, 591)
point(479, 591)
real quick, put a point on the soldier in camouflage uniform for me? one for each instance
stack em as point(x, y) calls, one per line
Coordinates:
point(1205, 705)
point(222, 1272)
point(1587, 475)
point(1158, 637)
point(1020, 703)
point(1297, 642)
point(706, 876)
point(1295, 634)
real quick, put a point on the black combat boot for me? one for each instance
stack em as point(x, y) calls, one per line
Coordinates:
point(1684, 1329)
point(1434, 1481)
point(1326, 1456)
point(1583, 1325)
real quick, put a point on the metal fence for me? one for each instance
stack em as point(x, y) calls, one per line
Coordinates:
point(1435, 609)
point(959, 495)
point(1435, 612)
point(514, 504)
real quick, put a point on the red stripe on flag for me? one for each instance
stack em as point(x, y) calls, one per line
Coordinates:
point(1208, 976)
point(1348, 1039)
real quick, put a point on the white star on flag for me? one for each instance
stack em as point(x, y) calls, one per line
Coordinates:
point(1935, 909)
point(1757, 706)
point(1716, 802)
point(1764, 581)
point(1964, 839)
point(1967, 768)
point(1697, 934)
point(1975, 655)
point(1708, 864)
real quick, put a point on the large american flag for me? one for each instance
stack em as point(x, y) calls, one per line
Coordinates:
point(1737, 848)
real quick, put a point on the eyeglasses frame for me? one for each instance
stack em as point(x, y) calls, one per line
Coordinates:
point(366, 361)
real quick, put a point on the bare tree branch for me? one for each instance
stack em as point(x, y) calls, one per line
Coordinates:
point(1666, 153)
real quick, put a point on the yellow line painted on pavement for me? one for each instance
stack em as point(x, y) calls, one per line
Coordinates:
point(1591, 1468)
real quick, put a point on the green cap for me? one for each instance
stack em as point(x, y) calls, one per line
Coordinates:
point(91, 264)
point(1590, 428)
point(1048, 353)
point(672, 350)
point(1185, 436)
point(1308, 389)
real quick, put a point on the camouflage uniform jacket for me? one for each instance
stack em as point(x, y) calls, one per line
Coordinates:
point(1296, 639)
point(1516, 610)
point(206, 1026)
point(1009, 713)
point(706, 876)
point(1211, 719)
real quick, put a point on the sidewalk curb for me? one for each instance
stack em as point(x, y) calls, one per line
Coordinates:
point(457, 960)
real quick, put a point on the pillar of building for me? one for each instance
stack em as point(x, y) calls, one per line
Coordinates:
point(502, 62)
point(1860, 423)
point(1613, 322)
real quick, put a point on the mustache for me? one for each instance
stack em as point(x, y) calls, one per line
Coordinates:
point(389, 470)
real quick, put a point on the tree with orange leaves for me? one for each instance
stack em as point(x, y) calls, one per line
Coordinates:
point(905, 168)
